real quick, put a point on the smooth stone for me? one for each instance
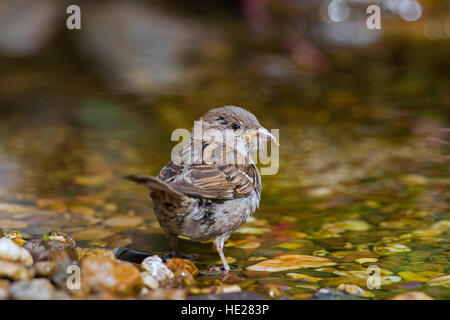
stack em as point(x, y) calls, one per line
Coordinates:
point(123, 222)
point(157, 269)
point(415, 295)
point(4, 285)
point(441, 281)
point(13, 224)
point(92, 234)
point(253, 230)
point(99, 274)
point(52, 204)
point(290, 262)
point(176, 264)
point(149, 281)
point(351, 289)
point(11, 251)
point(303, 277)
point(392, 248)
point(82, 210)
point(36, 289)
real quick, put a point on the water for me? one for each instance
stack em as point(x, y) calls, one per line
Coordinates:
point(359, 143)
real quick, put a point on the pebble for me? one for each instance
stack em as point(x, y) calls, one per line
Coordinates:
point(412, 276)
point(13, 224)
point(441, 281)
point(253, 230)
point(99, 273)
point(83, 210)
point(92, 234)
point(414, 295)
point(45, 268)
point(4, 284)
point(61, 236)
point(176, 264)
point(157, 269)
point(290, 262)
point(11, 251)
point(414, 180)
point(391, 248)
point(366, 260)
point(351, 289)
point(303, 277)
point(36, 289)
point(149, 281)
point(346, 225)
point(123, 222)
point(288, 245)
point(52, 204)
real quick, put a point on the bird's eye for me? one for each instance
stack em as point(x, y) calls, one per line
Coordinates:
point(235, 126)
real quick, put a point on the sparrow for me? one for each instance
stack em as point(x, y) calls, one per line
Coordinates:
point(212, 185)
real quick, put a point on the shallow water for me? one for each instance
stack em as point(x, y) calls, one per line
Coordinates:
point(362, 173)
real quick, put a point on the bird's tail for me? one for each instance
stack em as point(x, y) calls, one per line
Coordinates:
point(154, 184)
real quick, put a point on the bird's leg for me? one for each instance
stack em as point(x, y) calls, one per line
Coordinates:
point(173, 242)
point(218, 244)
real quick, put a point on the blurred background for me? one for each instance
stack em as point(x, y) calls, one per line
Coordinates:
point(363, 114)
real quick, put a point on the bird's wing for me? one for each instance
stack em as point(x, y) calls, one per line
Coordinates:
point(212, 181)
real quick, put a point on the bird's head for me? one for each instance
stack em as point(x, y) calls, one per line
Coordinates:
point(243, 125)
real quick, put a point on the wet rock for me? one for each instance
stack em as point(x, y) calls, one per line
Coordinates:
point(288, 245)
point(412, 276)
point(181, 278)
point(442, 281)
point(15, 236)
point(102, 274)
point(13, 224)
point(303, 277)
point(230, 260)
point(92, 234)
point(329, 294)
point(346, 225)
point(253, 230)
point(351, 289)
point(155, 266)
point(130, 255)
point(231, 278)
point(36, 289)
point(290, 262)
point(433, 230)
point(149, 281)
point(176, 264)
point(86, 211)
point(391, 248)
point(11, 251)
point(4, 285)
point(415, 295)
point(414, 180)
point(43, 250)
point(366, 260)
point(123, 222)
point(52, 204)
point(243, 244)
point(84, 252)
point(45, 268)
point(61, 236)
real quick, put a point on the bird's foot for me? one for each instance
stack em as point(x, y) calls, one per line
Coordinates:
point(220, 269)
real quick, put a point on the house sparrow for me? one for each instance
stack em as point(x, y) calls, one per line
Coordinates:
point(210, 197)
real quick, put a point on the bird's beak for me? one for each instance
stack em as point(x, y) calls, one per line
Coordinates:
point(262, 133)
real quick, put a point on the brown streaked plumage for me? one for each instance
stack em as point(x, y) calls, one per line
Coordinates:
point(209, 199)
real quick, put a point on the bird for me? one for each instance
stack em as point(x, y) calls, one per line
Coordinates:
point(203, 195)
